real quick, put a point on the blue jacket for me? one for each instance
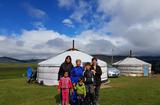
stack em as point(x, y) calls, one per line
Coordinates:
point(29, 72)
point(76, 73)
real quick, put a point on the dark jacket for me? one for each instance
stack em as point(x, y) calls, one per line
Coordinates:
point(88, 77)
point(64, 67)
point(97, 76)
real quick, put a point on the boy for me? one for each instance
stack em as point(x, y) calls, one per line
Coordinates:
point(89, 82)
point(65, 85)
point(81, 92)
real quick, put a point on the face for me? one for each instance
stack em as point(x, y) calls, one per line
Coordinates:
point(66, 74)
point(88, 67)
point(78, 63)
point(94, 62)
point(68, 60)
point(80, 82)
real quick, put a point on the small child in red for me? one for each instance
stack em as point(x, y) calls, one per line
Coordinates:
point(65, 85)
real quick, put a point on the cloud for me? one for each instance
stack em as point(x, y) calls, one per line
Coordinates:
point(133, 24)
point(68, 22)
point(66, 3)
point(41, 42)
point(35, 12)
point(38, 25)
point(2, 38)
point(80, 10)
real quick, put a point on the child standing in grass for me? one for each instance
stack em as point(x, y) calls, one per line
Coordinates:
point(89, 82)
point(65, 85)
point(81, 92)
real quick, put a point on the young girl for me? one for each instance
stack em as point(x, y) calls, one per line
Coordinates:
point(64, 86)
point(81, 92)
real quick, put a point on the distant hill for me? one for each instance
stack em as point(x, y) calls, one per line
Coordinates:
point(154, 60)
point(13, 60)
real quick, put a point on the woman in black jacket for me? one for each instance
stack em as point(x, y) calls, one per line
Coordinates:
point(66, 66)
point(97, 78)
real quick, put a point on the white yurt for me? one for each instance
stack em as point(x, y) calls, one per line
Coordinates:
point(131, 66)
point(48, 69)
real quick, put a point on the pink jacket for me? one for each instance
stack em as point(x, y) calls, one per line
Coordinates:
point(65, 83)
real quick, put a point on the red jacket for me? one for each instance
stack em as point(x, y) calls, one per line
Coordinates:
point(65, 83)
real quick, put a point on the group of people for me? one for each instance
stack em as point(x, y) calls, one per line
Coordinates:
point(79, 85)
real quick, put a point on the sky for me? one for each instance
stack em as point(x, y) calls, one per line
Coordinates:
point(39, 29)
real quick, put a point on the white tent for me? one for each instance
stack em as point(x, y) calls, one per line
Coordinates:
point(48, 69)
point(133, 67)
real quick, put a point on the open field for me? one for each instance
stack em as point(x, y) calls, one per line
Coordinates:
point(124, 90)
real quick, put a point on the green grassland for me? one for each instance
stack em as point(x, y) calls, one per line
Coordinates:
point(123, 91)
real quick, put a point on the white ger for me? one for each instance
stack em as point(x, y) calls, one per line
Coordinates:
point(131, 66)
point(48, 69)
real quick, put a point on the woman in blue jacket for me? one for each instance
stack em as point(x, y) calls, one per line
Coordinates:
point(76, 73)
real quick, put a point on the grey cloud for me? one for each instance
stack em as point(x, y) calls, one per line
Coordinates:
point(58, 43)
point(99, 47)
point(20, 43)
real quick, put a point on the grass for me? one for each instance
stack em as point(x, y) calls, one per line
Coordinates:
point(11, 71)
point(124, 90)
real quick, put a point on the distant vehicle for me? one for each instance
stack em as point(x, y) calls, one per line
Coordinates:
point(113, 72)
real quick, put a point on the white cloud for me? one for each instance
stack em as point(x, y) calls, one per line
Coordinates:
point(35, 12)
point(2, 38)
point(38, 25)
point(134, 24)
point(66, 3)
point(80, 10)
point(68, 22)
point(41, 42)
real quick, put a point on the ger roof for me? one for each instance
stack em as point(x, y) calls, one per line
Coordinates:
point(75, 54)
point(131, 61)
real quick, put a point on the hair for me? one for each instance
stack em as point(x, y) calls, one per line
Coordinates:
point(88, 64)
point(78, 60)
point(80, 79)
point(65, 72)
point(68, 57)
point(94, 58)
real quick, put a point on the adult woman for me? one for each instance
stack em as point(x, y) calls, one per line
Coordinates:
point(76, 74)
point(97, 78)
point(66, 66)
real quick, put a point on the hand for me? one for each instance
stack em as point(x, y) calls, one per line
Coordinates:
point(74, 84)
point(94, 72)
point(94, 87)
point(59, 90)
point(71, 91)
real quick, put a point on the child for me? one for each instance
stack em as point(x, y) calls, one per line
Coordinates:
point(89, 82)
point(81, 91)
point(65, 85)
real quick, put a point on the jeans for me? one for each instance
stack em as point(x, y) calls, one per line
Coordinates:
point(97, 90)
point(80, 99)
point(90, 97)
